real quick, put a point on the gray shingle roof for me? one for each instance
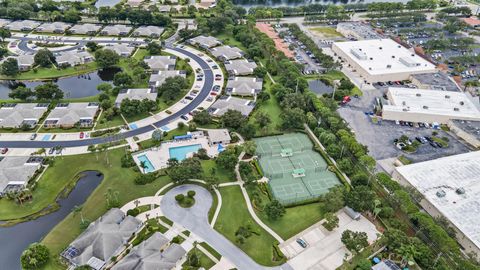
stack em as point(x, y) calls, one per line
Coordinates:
point(22, 25)
point(240, 67)
point(53, 27)
point(121, 49)
point(204, 41)
point(148, 31)
point(226, 52)
point(14, 116)
point(104, 237)
point(16, 170)
point(157, 79)
point(160, 62)
point(136, 94)
point(85, 28)
point(74, 112)
point(225, 103)
point(115, 30)
point(148, 255)
point(244, 86)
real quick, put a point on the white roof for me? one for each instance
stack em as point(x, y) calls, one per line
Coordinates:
point(218, 135)
point(456, 105)
point(445, 176)
point(136, 94)
point(376, 56)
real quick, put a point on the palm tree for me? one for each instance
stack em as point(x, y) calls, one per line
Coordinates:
point(42, 151)
point(143, 165)
point(408, 253)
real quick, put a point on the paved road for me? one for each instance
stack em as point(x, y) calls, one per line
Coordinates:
point(195, 219)
point(202, 95)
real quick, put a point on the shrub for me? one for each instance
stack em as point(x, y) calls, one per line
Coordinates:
point(133, 212)
point(179, 197)
point(144, 179)
point(191, 193)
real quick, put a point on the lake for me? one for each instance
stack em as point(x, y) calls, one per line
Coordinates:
point(15, 239)
point(74, 87)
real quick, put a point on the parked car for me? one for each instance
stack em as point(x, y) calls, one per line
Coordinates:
point(301, 242)
point(184, 117)
point(33, 136)
point(4, 150)
point(189, 97)
point(58, 150)
point(82, 135)
point(51, 151)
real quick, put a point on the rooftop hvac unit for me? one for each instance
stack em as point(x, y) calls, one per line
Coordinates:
point(460, 191)
point(393, 56)
point(371, 58)
point(418, 95)
point(389, 66)
point(404, 103)
point(380, 48)
point(425, 107)
point(441, 193)
point(447, 96)
point(462, 103)
point(456, 109)
point(406, 109)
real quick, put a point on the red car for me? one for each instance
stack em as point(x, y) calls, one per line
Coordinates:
point(4, 150)
point(213, 94)
point(82, 135)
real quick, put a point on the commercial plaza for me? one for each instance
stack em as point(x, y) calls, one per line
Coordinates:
point(296, 173)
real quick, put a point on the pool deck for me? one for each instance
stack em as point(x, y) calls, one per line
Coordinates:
point(159, 156)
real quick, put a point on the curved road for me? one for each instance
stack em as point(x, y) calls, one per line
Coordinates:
point(195, 219)
point(202, 95)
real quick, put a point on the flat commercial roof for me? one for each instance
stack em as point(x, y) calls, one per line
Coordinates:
point(452, 185)
point(456, 105)
point(383, 56)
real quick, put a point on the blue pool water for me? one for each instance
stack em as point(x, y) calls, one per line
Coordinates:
point(133, 126)
point(180, 152)
point(148, 165)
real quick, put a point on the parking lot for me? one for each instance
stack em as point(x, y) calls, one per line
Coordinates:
point(324, 248)
point(379, 137)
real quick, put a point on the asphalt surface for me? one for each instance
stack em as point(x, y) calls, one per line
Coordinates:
point(22, 44)
point(379, 137)
point(202, 95)
point(195, 219)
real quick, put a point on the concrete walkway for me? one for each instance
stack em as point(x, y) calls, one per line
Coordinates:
point(249, 203)
point(195, 219)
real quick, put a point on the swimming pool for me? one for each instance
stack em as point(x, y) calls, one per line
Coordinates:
point(148, 165)
point(180, 152)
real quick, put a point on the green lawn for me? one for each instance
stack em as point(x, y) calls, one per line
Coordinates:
point(222, 174)
point(326, 31)
point(50, 73)
point(233, 214)
point(205, 261)
point(57, 177)
point(295, 220)
point(272, 108)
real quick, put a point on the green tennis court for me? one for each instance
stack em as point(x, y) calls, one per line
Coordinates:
point(296, 172)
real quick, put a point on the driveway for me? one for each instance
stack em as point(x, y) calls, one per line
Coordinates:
point(195, 219)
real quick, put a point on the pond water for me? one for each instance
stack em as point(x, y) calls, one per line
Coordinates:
point(319, 87)
point(295, 3)
point(106, 3)
point(74, 87)
point(15, 239)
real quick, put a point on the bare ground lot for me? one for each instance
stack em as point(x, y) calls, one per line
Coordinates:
point(379, 137)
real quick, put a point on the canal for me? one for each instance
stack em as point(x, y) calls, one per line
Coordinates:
point(15, 239)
